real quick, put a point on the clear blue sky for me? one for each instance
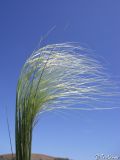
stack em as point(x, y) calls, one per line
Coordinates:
point(93, 23)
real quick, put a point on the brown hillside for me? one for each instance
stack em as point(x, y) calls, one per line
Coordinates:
point(34, 157)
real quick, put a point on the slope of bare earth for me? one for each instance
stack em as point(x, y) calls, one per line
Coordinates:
point(34, 157)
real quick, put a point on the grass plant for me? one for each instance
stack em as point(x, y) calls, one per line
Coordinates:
point(57, 76)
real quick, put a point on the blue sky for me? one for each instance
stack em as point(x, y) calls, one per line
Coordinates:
point(95, 25)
